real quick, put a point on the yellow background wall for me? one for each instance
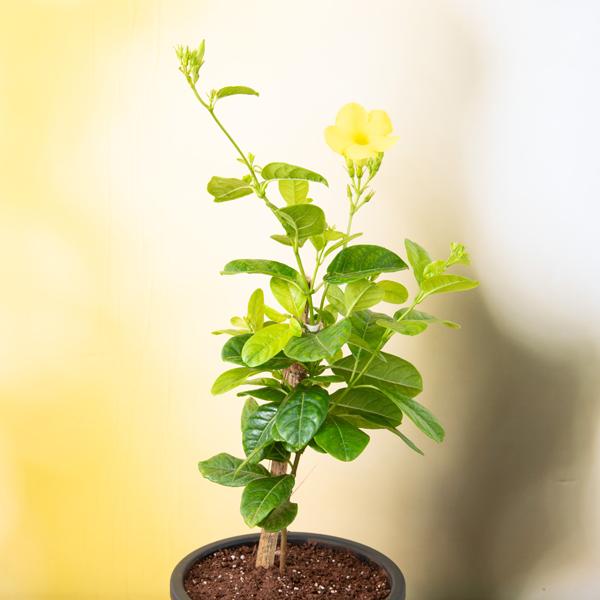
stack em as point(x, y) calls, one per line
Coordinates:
point(109, 259)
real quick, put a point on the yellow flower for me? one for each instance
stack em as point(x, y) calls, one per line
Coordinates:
point(358, 134)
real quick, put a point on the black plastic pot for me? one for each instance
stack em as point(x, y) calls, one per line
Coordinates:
point(398, 586)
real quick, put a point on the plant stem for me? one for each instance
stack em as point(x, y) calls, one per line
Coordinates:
point(283, 552)
point(258, 187)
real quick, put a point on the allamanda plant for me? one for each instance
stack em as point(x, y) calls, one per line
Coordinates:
point(314, 371)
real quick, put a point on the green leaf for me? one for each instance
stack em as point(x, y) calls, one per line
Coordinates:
point(280, 517)
point(419, 315)
point(234, 332)
point(224, 469)
point(275, 315)
point(344, 240)
point(257, 433)
point(302, 221)
point(440, 284)
point(261, 496)
point(317, 346)
point(228, 188)
point(417, 257)
point(232, 352)
point(364, 326)
point(264, 267)
point(265, 344)
point(271, 394)
point(250, 406)
point(231, 379)
point(360, 261)
point(361, 294)
point(276, 451)
point(341, 439)
point(417, 413)
point(335, 295)
point(279, 170)
point(289, 296)
point(235, 90)
point(283, 239)
point(407, 441)
point(386, 369)
point(405, 327)
point(256, 310)
point(393, 292)
point(293, 191)
point(301, 415)
point(366, 407)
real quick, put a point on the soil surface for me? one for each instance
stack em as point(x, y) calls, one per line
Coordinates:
point(312, 571)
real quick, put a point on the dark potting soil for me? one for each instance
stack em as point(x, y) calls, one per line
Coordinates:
point(312, 571)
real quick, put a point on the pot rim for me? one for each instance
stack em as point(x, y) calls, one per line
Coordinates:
point(397, 582)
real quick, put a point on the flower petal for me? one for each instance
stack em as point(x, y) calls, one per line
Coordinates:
point(360, 151)
point(381, 143)
point(337, 140)
point(379, 123)
point(352, 118)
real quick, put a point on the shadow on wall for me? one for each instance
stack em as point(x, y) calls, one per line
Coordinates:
point(526, 432)
point(523, 422)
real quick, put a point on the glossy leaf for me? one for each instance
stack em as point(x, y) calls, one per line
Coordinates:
point(279, 170)
point(341, 439)
point(283, 239)
point(224, 469)
point(365, 327)
point(335, 295)
point(261, 496)
point(407, 441)
point(256, 310)
point(235, 90)
point(274, 315)
point(361, 294)
point(265, 344)
point(293, 191)
point(270, 394)
point(250, 406)
point(404, 327)
point(419, 315)
point(301, 415)
point(257, 433)
point(231, 379)
point(366, 407)
point(393, 292)
point(289, 296)
point(265, 267)
point(417, 257)
point(280, 517)
point(232, 352)
point(417, 413)
point(317, 346)
point(344, 240)
point(232, 349)
point(386, 369)
point(233, 332)
point(227, 188)
point(440, 284)
point(360, 261)
point(302, 221)
point(276, 451)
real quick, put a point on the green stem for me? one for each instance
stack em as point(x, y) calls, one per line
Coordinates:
point(258, 187)
point(297, 458)
point(311, 308)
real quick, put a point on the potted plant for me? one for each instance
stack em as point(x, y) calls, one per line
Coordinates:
point(313, 372)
